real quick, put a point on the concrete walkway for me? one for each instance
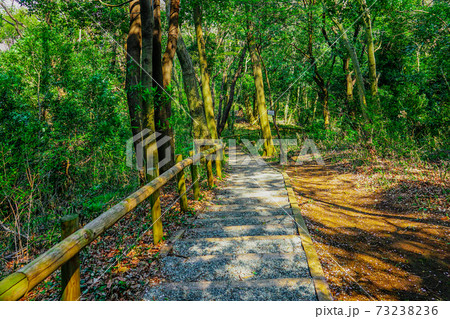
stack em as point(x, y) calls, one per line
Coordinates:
point(245, 247)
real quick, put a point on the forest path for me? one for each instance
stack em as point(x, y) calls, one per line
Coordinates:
point(244, 247)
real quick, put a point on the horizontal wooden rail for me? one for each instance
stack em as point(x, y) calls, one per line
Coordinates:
point(16, 285)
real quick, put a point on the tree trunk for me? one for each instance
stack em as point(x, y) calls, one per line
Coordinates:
point(165, 112)
point(133, 75)
point(248, 105)
point(296, 109)
point(205, 77)
point(148, 114)
point(260, 97)
point(16, 23)
point(200, 127)
point(373, 78)
point(286, 108)
point(223, 94)
point(231, 94)
point(326, 111)
point(254, 109)
point(317, 77)
point(157, 63)
point(349, 86)
point(359, 77)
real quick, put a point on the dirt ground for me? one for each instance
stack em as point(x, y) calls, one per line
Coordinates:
point(377, 242)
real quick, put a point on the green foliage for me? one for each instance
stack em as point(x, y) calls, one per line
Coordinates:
point(63, 126)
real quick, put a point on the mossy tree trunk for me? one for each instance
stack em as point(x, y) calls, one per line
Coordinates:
point(269, 149)
point(205, 77)
point(157, 60)
point(200, 128)
point(349, 84)
point(164, 113)
point(133, 75)
point(359, 78)
point(373, 77)
point(230, 99)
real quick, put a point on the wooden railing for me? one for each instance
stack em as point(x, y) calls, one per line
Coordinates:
point(65, 253)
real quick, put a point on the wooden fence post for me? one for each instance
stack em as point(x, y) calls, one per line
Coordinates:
point(195, 178)
point(223, 155)
point(181, 184)
point(209, 171)
point(219, 163)
point(70, 271)
point(156, 217)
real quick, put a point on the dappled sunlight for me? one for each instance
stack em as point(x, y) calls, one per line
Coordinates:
point(370, 250)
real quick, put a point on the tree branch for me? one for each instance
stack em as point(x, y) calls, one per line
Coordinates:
point(16, 22)
point(114, 5)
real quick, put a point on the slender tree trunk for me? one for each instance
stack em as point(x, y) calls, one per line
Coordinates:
point(255, 109)
point(326, 110)
point(205, 77)
point(146, 14)
point(260, 97)
point(200, 128)
point(359, 78)
point(148, 113)
point(349, 86)
point(133, 75)
point(315, 107)
point(165, 111)
point(223, 94)
point(274, 109)
point(373, 77)
point(323, 92)
point(277, 129)
point(16, 23)
point(231, 94)
point(231, 119)
point(157, 62)
point(296, 109)
point(169, 54)
point(269, 89)
point(213, 92)
point(286, 108)
point(248, 105)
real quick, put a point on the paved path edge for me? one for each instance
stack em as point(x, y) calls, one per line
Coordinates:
point(320, 283)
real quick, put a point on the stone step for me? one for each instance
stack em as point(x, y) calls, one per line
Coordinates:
point(285, 289)
point(236, 189)
point(238, 245)
point(245, 213)
point(260, 186)
point(260, 180)
point(245, 192)
point(253, 172)
point(243, 230)
point(236, 221)
point(273, 201)
point(238, 267)
point(243, 208)
point(250, 179)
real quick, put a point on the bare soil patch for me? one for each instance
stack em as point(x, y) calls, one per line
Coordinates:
point(381, 231)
